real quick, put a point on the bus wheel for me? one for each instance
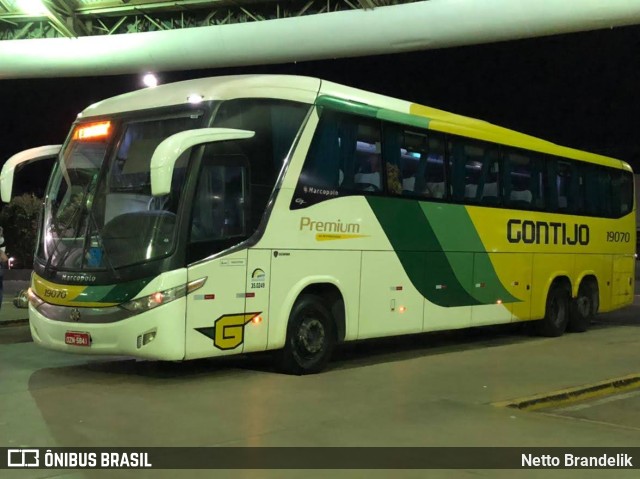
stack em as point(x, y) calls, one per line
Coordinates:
point(311, 337)
point(584, 307)
point(556, 316)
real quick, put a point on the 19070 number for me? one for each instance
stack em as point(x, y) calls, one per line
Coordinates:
point(618, 237)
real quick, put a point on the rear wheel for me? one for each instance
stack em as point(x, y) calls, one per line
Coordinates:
point(584, 307)
point(311, 337)
point(556, 315)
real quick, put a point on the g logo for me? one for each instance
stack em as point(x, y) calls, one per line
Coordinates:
point(229, 330)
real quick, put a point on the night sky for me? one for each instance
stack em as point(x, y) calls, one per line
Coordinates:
point(578, 90)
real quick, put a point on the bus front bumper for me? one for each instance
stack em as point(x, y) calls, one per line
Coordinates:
point(155, 334)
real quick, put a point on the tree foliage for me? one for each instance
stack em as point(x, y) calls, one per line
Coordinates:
point(20, 222)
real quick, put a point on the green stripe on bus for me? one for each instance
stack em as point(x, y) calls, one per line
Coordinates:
point(347, 106)
point(464, 237)
point(419, 250)
point(113, 293)
point(363, 109)
point(461, 276)
point(94, 294)
point(126, 291)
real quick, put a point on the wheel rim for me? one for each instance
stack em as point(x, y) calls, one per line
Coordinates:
point(583, 306)
point(559, 311)
point(310, 339)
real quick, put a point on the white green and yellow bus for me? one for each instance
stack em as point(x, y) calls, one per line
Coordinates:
point(249, 213)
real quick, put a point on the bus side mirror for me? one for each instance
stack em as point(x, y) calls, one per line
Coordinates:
point(169, 150)
point(22, 158)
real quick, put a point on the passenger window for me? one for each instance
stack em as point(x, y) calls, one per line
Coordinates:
point(597, 190)
point(489, 194)
point(345, 157)
point(363, 170)
point(411, 154)
point(475, 171)
point(567, 186)
point(564, 177)
point(622, 200)
point(422, 165)
point(368, 170)
point(458, 168)
point(524, 186)
point(275, 124)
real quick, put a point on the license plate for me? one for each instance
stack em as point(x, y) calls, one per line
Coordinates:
point(74, 338)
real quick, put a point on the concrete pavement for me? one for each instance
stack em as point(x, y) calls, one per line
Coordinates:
point(431, 390)
point(438, 389)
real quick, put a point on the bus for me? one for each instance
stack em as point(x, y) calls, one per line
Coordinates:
point(248, 213)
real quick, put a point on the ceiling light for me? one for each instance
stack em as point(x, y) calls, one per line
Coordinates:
point(32, 7)
point(150, 80)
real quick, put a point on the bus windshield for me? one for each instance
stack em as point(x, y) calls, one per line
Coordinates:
point(100, 216)
point(99, 212)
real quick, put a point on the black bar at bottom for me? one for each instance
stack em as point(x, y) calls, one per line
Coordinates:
point(320, 458)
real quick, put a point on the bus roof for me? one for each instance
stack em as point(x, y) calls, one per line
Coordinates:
point(308, 90)
point(304, 89)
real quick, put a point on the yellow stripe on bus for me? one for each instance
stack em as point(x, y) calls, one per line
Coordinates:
point(63, 294)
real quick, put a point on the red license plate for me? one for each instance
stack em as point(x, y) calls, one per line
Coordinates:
point(73, 338)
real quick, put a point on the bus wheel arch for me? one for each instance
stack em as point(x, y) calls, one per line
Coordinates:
point(316, 323)
point(557, 309)
point(585, 305)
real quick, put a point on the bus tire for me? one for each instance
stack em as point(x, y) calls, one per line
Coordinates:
point(311, 337)
point(584, 307)
point(556, 316)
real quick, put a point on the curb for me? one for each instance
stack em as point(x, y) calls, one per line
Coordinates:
point(571, 395)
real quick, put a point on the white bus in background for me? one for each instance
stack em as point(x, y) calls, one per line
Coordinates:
point(250, 213)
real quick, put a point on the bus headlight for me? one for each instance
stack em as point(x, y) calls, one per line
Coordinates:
point(140, 305)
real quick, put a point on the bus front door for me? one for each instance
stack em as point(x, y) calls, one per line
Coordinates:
point(216, 316)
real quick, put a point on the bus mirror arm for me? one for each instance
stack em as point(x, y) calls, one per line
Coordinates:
point(24, 157)
point(169, 150)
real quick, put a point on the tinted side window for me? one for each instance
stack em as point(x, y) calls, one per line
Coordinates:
point(475, 171)
point(595, 203)
point(622, 183)
point(463, 167)
point(524, 179)
point(349, 155)
point(362, 168)
point(568, 187)
point(588, 189)
point(345, 157)
point(420, 156)
point(275, 123)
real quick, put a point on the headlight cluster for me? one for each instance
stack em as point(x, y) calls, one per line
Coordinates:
point(140, 305)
